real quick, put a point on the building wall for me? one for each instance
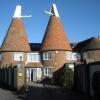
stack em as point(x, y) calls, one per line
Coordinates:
point(83, 77)
point(92, 55)
point(7, 58)
point(57, 61)
point(59, 58)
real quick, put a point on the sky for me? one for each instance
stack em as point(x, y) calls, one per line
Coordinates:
point(80, 18)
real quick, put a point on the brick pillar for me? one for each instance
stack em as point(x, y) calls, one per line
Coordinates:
point(20, 77)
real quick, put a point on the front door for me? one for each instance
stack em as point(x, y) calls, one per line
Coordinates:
point(33, 74)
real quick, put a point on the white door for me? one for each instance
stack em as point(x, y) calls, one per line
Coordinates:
point(39, 74)
point(33, 74)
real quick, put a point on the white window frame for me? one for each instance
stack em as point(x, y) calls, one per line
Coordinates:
point(72, 55)
point(68, 55)
point(47, 73)
point(16, 54)
point(35, 53)
point(75, 56)
point(46, 55)
point(0, 56)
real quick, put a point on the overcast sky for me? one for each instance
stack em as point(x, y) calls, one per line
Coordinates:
point(80, 18)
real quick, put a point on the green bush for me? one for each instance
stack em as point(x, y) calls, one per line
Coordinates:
point(68, 77)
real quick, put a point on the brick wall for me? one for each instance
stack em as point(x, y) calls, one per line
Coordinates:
point(93, 55)
point(57, 61)
point(8, 58)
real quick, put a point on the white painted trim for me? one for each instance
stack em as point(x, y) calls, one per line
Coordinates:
point(54, 10)
point(19, 58)
point(33, 53)
point(47, 71)
point(17, 12)
point(0, 56)
point(46, 55)
point(48, 12)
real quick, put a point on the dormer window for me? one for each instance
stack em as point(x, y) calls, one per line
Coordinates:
point(47, 56)
point(18, 56)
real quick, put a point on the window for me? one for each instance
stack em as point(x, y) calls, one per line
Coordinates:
point(47, 71)
point(72, 56)
point(47, 56)
point(68, 55)
point(75, 56)
point(33, 57)
point(85, 55)
point(78, 56)
point(18, 56)
point(0, 56)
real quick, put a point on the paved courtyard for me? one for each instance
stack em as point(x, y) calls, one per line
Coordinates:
point(43, 93)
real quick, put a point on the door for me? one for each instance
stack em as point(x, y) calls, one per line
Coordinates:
point(33, 74)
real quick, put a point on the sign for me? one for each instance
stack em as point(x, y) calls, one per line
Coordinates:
point(20, 74)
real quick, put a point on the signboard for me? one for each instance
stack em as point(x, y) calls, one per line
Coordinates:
point(20, 74)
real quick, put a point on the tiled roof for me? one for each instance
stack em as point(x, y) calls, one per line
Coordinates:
point(55, 37)
point(94, 44)
point(35, 46)
point(38, 64)
point(89, 44)
point(15, 39)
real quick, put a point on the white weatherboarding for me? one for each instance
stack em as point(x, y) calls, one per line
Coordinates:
point(17, 13)
point(53, 11)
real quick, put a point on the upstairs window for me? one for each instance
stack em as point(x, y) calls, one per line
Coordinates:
point(75, 56)
point(68, 55)
point(72, 56)
point(18, 56)
point(47, 56)
point(33, 57)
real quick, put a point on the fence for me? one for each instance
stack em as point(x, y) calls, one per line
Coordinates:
point(8, 77)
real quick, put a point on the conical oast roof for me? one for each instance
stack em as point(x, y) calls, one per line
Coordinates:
point(55, 37)
point(15, 39)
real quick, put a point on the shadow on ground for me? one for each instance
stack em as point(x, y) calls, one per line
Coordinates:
point(43, 93)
